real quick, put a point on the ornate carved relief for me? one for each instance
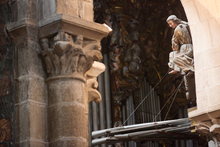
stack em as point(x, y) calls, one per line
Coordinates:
point(92, 84)
point(65, 54)
point(209, 128)
point(5, 130)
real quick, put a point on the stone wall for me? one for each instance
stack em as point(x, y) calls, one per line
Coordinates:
point(204, 20)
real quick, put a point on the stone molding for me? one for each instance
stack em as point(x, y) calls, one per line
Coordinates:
point(208, 124)
point(72, 25)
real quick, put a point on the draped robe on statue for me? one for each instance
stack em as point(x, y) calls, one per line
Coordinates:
point(181, 59)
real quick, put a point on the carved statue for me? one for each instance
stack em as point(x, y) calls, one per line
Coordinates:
point(115, 58)
point(132, 66)
point(181, 59)
point(181, 45)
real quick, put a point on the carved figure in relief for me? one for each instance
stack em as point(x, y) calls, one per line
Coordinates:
point(50, 59)
point(115, 58)
point(132, 59)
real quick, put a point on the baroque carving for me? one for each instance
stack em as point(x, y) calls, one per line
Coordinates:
point(138, 44)
point(5, 130)
point(65, 54)
point(4, 86)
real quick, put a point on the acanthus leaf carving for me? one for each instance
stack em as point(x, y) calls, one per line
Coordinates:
point(65, 55)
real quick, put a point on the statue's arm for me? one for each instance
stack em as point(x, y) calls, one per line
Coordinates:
point(176, 40)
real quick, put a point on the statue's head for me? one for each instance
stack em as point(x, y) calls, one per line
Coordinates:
point(134, 66)
point(44, 43)
point(173, 21)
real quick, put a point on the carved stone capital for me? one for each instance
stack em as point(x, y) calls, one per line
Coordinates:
point(66, 55)
point(209, 128)
point(92, 84)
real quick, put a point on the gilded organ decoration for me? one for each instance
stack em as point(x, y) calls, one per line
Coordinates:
point(5, 130)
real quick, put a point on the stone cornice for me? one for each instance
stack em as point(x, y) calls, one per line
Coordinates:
point(72, 25)
point(12, 26)
point(207, 123)
point(19, 29)
point(57, 23)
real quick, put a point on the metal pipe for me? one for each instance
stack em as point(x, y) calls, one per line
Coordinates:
point(107, 92)
point(140, 126)
point(102, 103)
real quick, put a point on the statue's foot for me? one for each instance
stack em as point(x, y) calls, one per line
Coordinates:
point(172, 72)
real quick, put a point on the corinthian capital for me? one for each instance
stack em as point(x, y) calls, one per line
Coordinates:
point(65, 54)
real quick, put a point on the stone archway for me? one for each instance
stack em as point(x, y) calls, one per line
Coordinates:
point(204, 20)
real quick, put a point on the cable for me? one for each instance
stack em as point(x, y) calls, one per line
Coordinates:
point(175, 91)
point(145, 98)
point(173, 100)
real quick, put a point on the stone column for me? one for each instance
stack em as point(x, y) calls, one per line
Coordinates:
point(66, 66)
point(52, 98)
point(70, 44)
point(70, 88)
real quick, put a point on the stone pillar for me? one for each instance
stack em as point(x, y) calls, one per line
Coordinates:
point(31, 94)
point(66, 65)
point(70, 88)
point(70, 44)
point(52, 98)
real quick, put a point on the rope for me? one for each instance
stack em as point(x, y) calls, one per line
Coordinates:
point(144, 99)
point(173, 100)
point(173, 93)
